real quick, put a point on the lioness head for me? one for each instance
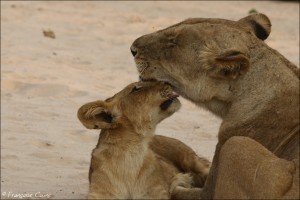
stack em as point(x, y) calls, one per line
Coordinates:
point(201, 58)
point(140, 105)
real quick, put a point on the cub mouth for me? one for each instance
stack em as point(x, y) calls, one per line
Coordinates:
point(172, 98)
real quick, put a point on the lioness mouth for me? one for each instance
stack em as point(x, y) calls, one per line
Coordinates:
point(147, 80)
point(153, 80)
point(166, 104)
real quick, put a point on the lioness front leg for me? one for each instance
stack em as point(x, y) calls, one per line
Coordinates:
point(247, 169)
point(182, 156)
point(209, 186)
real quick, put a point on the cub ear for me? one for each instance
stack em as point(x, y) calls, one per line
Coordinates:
point(96, 115)
point(229, 65)
point(259, 24)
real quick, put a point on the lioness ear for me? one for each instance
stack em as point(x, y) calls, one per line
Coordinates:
point(229, 65)
point(259, 24)
point(96, 115)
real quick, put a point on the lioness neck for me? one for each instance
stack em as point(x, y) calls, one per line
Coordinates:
point(270, 83)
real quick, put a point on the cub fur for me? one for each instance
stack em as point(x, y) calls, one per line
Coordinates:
point(124, 164)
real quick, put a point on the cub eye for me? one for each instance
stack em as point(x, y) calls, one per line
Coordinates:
point(136, 88)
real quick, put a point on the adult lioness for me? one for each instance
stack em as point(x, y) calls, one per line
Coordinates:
point(124, 164)
point(226, 67)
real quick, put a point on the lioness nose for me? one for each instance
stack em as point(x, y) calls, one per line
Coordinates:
point(133, 51)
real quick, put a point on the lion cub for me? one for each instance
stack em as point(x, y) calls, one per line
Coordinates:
point(123, 165)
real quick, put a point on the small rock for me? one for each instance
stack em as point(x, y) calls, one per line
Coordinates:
point(49, 33)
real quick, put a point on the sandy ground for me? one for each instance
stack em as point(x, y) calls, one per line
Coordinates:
point(45, 151)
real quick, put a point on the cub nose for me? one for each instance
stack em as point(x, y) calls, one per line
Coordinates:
point(133, 51)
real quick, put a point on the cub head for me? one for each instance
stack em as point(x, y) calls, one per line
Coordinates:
point(200, 57)
point(141, 106)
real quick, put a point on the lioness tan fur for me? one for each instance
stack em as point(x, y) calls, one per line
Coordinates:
point(124, 164)
point(226, 67)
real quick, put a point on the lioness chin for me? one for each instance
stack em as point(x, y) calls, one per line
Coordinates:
point(225, 67)
point(124, 164)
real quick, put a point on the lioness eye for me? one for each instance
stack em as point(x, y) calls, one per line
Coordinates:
point(172, 42)
point(136, 88)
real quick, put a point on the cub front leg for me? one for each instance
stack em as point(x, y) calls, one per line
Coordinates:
point(182, 187)
point(182, 156)
point(101, 187)
point(98, 193)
